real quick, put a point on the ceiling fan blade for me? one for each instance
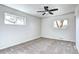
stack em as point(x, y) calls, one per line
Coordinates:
point(40, 11)
point(43, 13)
point(46, 8)
point(50, 12)
point(53, 9)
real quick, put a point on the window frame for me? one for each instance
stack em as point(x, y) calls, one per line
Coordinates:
point(17, 17)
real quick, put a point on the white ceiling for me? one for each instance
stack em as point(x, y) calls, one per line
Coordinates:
point(32, 8)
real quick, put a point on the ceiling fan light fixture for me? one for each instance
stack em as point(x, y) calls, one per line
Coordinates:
point(46, 10)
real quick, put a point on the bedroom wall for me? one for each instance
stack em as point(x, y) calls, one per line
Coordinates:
point(77, 27)
point(15, 34)
point(68, 34)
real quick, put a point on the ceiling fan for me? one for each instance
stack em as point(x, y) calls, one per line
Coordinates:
point(46, 10)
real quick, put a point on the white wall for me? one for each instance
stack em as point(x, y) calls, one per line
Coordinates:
point(68, 34)
point(77, 27)
point(14, 34)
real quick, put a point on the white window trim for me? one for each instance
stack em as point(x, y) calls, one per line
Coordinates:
point(16, 21)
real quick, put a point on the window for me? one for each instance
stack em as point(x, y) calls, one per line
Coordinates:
point(14, 20)
point(60, 24)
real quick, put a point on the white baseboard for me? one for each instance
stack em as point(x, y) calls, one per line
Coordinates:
point(58, 38)
point(18, 42)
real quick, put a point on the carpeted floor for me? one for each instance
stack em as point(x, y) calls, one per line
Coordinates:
point(42, 46)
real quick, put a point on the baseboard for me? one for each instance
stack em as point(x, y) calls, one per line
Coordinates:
point(20, 42)
point(17, 43)
point(56, 38)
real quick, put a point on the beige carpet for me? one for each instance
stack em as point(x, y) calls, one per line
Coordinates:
point(42, 46)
